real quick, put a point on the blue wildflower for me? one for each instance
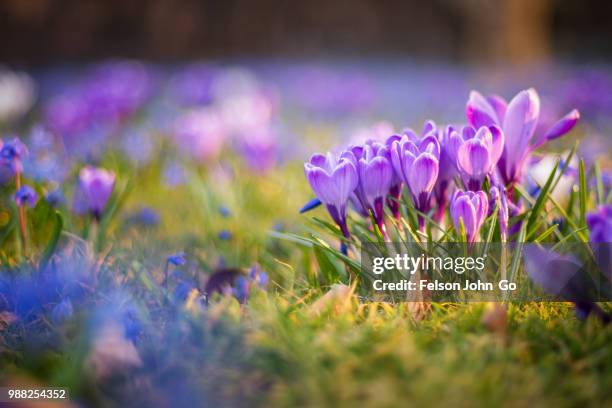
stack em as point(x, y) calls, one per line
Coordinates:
point(225, 235)
point(224, 211)
point(177, 259)
point(26, 196)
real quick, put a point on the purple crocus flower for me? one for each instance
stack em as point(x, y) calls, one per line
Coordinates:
point(375, 173)
point(448, 167)
point(95, 188)
point(518, 121)
point(600, 224)
point(333, 180)
point(416, 161)
point(26, 196)
point(471, 208)
point(476, 152)
point(12, 153)
point(395, 190)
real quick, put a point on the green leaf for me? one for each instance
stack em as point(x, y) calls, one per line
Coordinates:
point(583, 192)
point(546, 233)
point(53, 240)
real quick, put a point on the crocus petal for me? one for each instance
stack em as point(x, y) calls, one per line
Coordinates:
point(321, 183)
point(463, 209)
point(423, 174)
point(479, 111)
point(345, 179)
point(375, 178)
point(474, 158)
point(498, 144)
point(500, 106)
point(520, 123)
point(563, 126)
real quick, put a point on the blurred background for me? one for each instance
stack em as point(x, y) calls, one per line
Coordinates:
point(504, 31)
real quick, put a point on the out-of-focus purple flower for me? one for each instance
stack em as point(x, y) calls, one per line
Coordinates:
point(224, 235)
point(518, 121)
point(45, 162)
point(94, 189)
point(333, 180)
point(600, 224)
point(416, 161)
point(225, 212)
point(138, 145)
point(145, 216)
point(200, 134)
point(194, 84)
point(62, 311)
point(477, 153)
point(12, 154)
point(259, 149)
point(174, 174)
point(471, 208)
point(243, 285)
point(26, 196)
point(498, 197)
point(177, 259)
point(375, 172)
point(55, 198)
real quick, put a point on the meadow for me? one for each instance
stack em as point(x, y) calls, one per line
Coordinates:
point(163, 241)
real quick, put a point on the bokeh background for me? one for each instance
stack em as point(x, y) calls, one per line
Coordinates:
point(504, 31)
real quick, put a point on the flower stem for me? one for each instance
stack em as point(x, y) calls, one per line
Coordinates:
point(22, 219)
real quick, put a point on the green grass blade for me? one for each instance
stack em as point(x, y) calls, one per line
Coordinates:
point(539, 204)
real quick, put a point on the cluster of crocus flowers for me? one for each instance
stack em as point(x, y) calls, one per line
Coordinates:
point(484, 158)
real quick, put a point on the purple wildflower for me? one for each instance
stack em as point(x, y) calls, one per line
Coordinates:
point(375, 172)
point(395, 190)
point(518, 121)
point(95, 188)
point(476, 152)
point(26, 196)
point(471, 208)
point(177, 259)
point(416, 161)
point(600, 224)
point(333, 180)
point(12, 154)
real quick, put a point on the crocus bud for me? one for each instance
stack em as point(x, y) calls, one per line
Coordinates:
point(26, 196)
point(416, 162)
point(471, 208)
point(477, 153)
point(95, 188)
point(375, 177)
point(333, 180)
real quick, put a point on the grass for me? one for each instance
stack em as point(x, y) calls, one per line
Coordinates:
point(294, 345)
